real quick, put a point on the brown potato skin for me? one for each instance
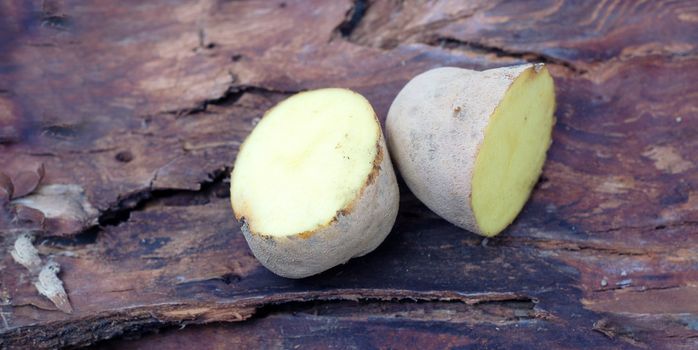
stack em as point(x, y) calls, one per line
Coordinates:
point(435, 127)
point(355, 231)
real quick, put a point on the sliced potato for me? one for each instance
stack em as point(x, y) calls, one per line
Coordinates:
point(471, 145)
point(313, 185)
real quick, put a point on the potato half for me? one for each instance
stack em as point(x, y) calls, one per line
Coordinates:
point(471, 145)
point(313, 185)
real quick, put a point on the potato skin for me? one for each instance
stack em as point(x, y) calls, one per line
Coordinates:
point(354, 232)
point(435, 127)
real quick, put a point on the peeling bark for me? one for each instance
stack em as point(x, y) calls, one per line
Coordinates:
point(47, 282)
point(25, 254)
point(50, 286)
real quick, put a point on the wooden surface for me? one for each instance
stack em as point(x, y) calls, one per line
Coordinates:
point(141, 106)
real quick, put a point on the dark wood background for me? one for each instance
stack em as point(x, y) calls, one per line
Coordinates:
point(143, 104)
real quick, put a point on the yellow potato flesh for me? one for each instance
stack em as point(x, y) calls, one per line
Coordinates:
point(513, 151)
point(306, 159)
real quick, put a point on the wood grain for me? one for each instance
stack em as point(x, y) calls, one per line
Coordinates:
point(141, 107)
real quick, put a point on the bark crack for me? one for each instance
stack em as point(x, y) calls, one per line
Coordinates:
point(228, 98)
point(353, 18)
point(640, 289)
point(675, 224)
point(492, 307)
point(578, 247)
point(477, 47)
point(121, 211)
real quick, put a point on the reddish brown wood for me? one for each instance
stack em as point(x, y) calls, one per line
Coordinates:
point(138, 108)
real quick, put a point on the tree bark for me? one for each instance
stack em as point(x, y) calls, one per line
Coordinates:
point(124, 118)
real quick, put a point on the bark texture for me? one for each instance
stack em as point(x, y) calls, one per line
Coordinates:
point(119, 122)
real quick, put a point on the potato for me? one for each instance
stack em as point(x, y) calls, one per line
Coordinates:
point(471, 145)
point(313, 185)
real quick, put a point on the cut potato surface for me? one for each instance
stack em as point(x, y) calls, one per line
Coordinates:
point(313, 185)
point(306, 160)
point(513, 151)
point(471, 144)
